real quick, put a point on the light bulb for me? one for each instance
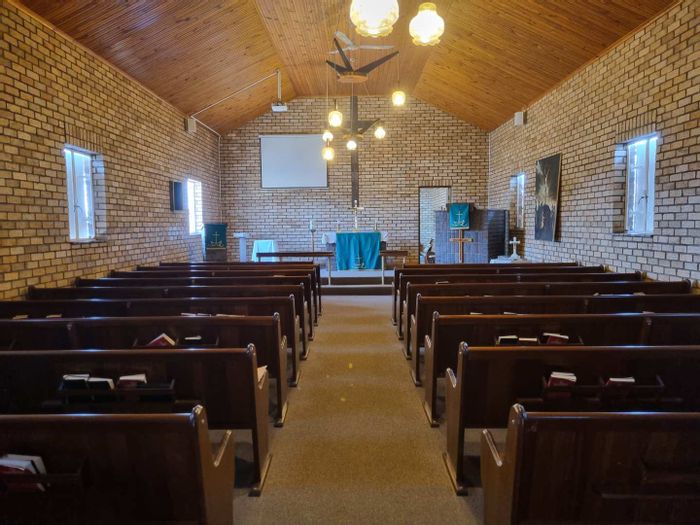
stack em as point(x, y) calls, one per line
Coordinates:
point(327, 136)
point(335, 118)
point(328, 153)
point(374, 18)
point(398, 98)
point(427, 26)
point(379, 132)
point(352, 144)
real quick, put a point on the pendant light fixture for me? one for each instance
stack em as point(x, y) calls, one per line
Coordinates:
point(351, 144)
point(327, 136)
point(335, 117)
point(427, 26)
point(374, 18)
point(398, 97)
point(379, 131)
point(328, 153)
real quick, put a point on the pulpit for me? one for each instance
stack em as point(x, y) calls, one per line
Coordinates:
point(484, 240)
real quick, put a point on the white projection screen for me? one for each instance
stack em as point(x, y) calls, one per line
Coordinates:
point(292, 161)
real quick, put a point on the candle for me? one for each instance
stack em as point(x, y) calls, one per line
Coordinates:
point(311, 224)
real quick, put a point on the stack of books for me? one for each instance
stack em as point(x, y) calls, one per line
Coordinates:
point(18, 465)
point(86, 382)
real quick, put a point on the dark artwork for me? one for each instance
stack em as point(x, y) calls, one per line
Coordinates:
point(547, 173)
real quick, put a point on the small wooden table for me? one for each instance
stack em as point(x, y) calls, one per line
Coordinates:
point(302, 255)
point(392, 253)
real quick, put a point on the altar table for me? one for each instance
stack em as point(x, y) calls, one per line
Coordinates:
point(357, 250)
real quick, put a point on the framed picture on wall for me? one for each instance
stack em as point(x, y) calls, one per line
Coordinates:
point(547, 174)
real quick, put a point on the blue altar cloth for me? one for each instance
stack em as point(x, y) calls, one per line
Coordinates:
point(357, 250)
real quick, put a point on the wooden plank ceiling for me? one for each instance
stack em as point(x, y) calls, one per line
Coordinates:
point(495, 58)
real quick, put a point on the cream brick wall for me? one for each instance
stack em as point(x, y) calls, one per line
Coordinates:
point(651, 80)
point(423, 147)
point(53, 92)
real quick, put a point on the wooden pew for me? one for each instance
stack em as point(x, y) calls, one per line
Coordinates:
point(265, 306)
point(592, 467)
point(533, 277)
point(421, 321)
point(309, 294)
point(488, 380)
point(154, 292)
point(238, 265)
point(160, 272)
point(489, 269)
point(126, 468)
point(536, 288)
point(448, 331)
point(225, 380)
point(135, 332)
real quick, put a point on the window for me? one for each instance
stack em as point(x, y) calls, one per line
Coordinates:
point(79, 183)
point(641, 164)
point(194, 205)
point(517, 185)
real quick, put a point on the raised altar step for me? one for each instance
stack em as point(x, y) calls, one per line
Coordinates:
point(356, 289)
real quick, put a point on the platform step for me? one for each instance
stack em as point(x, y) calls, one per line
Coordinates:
point(356, 289)
point(352, 281)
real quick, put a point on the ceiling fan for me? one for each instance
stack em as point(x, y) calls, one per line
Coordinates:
point(347, 74)
point(349, 45)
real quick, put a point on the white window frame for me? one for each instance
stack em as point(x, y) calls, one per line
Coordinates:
point(80, 190)
point(640, 180)
point(195, 205)
point(519, 183)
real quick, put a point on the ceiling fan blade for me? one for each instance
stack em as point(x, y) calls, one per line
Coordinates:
point(374, 65)
point(372, 46)
point(345, 58)
point(338, 68)
point(345, 38)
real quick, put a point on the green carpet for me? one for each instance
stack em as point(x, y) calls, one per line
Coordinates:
point(356, 447)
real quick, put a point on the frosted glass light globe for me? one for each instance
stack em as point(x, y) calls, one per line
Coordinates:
point(335, 118)
point(374, 18)
point(352, 144)
point(328, 153)
point(427, 26)
point(327, 136)
point(398, 98)
point(380, 132)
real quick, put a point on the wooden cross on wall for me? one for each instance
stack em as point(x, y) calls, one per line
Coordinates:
point(357, 128)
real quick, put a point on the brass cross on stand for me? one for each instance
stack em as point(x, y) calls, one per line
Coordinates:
point(461, 241)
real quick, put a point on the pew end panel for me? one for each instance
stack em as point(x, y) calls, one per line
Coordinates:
point(595, 467)
point(454, 429)
point(499, 470)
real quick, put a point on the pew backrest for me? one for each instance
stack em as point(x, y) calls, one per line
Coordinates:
point(129, 461)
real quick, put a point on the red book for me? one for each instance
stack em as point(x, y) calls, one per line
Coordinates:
point(549, 338)
point(163, 340)
point(15, 466)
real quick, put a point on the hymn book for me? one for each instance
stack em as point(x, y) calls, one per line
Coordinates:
point(163, 340)
point(17, 464)
point(620, 381)
point(550, 338)
point(507, 340)
point(132, 381)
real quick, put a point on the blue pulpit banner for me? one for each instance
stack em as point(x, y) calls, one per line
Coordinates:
point(358, 250)
point(214, 236)
point(459, 216)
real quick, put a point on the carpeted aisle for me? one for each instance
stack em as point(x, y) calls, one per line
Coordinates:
point(356, 447)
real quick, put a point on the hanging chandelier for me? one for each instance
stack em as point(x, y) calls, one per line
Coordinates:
point(374, 18)
point(427, 26)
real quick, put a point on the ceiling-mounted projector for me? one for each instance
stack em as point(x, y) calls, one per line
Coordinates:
point(279, 107)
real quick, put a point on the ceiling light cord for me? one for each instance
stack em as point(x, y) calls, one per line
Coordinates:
point(245, 88)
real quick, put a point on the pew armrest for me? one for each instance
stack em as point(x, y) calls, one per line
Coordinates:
point(497, 483)
point(489, 450)
point(223, 447)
